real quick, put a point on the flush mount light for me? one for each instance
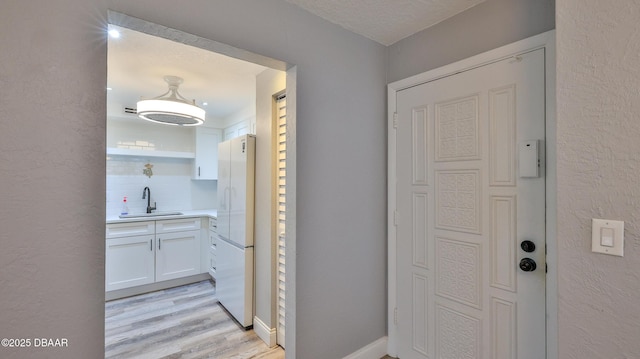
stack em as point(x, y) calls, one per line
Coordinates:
point(114, 33)
point(171, 108)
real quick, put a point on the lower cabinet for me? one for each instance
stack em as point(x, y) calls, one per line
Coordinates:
point(129, 262)
point(167, 250)
point(213, 247)
point(177, 255)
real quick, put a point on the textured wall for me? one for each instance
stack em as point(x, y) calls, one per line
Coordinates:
point(598, 103)
point(52, 166)
point(52, 176)
point(484, 27)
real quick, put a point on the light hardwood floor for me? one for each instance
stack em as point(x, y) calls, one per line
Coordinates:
point(182, 322)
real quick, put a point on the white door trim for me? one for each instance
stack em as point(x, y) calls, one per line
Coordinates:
point(120, 19)
point(547, 41)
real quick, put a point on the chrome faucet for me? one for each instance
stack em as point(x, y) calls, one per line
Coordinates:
point(146, 193)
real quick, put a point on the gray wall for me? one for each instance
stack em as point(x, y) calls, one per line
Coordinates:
point(52, 166)
point(598, 69)
point(484, 27)
point(52, 177)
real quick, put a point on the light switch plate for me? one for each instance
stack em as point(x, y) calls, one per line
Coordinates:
point(607, 237)
point(529, 159)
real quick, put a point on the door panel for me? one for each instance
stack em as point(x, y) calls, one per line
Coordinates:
point(238, 193)
point(177, 255)
point(234, 282)
point(463, 210)
point(281, 159)
point(129, 262)
point(224, 188)
point(241, 190)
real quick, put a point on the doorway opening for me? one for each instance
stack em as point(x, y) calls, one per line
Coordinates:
point(166, 159)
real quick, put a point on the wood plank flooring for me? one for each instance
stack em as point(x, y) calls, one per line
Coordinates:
point(182, 322)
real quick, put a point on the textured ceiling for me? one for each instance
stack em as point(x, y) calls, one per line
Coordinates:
point(385, 21)
point(137, 62)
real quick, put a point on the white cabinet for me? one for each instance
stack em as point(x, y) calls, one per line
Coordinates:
point(206, 160)
point(178, 248)
point(212, 247)
point(139, 253)
point(247, 126)
point(130, 255)
point(129, 262)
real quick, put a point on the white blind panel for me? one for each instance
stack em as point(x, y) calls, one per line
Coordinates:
point(281, 114)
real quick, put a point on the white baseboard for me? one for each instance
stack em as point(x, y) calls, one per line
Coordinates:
point(146, 288)
point(268, 335)
point(375, 350)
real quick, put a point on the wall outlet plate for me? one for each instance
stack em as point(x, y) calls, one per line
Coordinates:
point(607, 237)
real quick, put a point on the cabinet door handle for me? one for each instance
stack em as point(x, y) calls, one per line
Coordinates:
point(151, 245)
point(159, 243)
point(198, 171)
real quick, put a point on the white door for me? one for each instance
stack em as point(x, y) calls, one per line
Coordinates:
point(206, 161)
point(242, 190)
point(467, 197)
point(224, 188)
point(281, 170)
point(234, 280)
point(238, 193)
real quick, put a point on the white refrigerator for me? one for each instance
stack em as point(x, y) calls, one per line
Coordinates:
point(234, 275)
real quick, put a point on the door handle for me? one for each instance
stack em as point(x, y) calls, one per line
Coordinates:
point(223, 205)
point(527, 265)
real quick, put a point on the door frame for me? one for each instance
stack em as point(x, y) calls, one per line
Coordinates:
point(547, 41)
point(140, 25)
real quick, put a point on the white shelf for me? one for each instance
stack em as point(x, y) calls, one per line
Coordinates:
point(149, 153)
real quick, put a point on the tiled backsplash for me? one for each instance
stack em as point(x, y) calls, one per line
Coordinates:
point(144, 135)
point(171, 185)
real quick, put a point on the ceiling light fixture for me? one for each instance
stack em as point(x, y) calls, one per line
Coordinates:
point(171, 108)
point(114, 33)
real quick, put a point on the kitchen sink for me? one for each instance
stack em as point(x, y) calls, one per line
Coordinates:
point(154, 214)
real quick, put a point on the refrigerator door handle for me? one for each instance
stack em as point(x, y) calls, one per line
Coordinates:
point(224, 198)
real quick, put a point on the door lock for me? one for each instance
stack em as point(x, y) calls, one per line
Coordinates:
point(527, 265)
point(528, 246)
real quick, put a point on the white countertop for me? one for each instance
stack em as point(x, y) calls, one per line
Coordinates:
point(185, 214)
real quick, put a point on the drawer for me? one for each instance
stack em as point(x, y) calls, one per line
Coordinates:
point(213, 239)
point(212, 265)
point(212, 259)
point(177, 225)
point(213, 224)
point(129, 229)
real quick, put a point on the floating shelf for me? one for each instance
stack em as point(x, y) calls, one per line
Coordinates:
point(148, 153)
